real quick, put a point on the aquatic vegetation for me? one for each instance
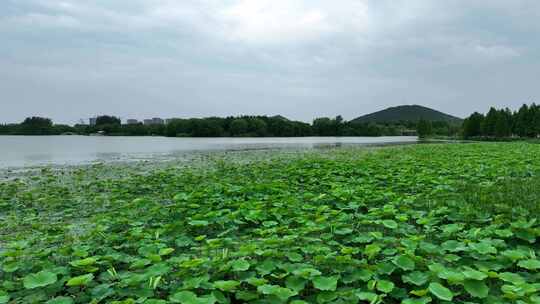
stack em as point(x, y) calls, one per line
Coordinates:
point(392, 225)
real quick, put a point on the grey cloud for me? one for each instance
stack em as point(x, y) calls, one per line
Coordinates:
point(302, 59)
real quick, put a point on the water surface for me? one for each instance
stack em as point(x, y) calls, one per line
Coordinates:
point(31, 151)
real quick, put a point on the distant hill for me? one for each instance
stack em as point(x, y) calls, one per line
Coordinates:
point(411, 113)
point(281, 117)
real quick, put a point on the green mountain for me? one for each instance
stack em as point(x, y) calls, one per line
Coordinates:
point(412, 113)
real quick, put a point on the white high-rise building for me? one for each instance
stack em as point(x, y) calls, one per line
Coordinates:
point(154, 121)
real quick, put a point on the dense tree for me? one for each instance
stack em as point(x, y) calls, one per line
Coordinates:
point(524, 123)
point(472, 126)
point(107, 120)
point(238, 127)
point(36, 126)
point(5, 129)
point(256, 126)
point(176, 128)
point(503, 124)
point(488, 126)
point(424, 128)
point(135, 130)
point(323, 126)
point(534, 130)
point(63, 129)
point(328, 127)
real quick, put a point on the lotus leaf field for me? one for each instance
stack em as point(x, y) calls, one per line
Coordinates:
point(439, 223)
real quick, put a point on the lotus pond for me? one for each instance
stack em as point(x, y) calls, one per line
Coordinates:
point(419, 224)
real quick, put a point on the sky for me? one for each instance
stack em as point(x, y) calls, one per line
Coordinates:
point(71, 59)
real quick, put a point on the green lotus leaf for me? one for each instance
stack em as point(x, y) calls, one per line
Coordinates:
point(84, 262)
point(363, 239)
point(295, 283)
point(155, 301)
point(294, 257)
point(483, 248)
point(451, 228)
point(514, 255)
point(363, 275)
point(278, 291)
point(257, 281)
point(326, 297)
point(372, 250)
point(504, 233)
point(474, 274)
point(183, 241)
point(166, 251)
point(366, 296)
point(454, 246)
point(188, 297)
point(451, 275)
point(513, 291)
point(307, 272)
point(80, 280)
point(526, 235)
point(60, 300)
point(390, 224)
point(10, 267)
point(198, 223)
point(441, 292)
point(477, 289)
point(343, 231)
point(266, 267)
point(226, 285)
point(102, 291)
point(386, 268)
point(246, 295)
point(385, 286)
point(240, 265)
point(193, 263)
point(530, 264)
point(430, 248)
point(423, 300)
point(4, 297)
point(140, 263)
point(417, 278)
point(404, 262)
point(40, 279)
point(511, 278)
point(157, 270)
point(325, 283)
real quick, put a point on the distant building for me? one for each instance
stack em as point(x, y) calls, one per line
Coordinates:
point(158, 121)
point(132, 121)
point(93, 121)
point(153, 121)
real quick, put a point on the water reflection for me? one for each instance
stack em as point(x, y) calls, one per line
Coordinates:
point(25, 151)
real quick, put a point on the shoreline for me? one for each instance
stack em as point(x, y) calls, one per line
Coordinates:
point(171, 150)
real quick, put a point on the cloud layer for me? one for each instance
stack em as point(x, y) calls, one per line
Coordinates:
point(73, 59)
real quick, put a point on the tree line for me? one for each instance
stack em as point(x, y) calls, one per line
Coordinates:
point(242, 126)
point(35, 126)
point(503, 123)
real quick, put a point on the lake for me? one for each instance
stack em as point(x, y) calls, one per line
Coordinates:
point(31, 151)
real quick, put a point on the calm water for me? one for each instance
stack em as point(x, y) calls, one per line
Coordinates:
point(28, 151)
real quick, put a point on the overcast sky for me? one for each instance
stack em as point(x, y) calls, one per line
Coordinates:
point(73, 59)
